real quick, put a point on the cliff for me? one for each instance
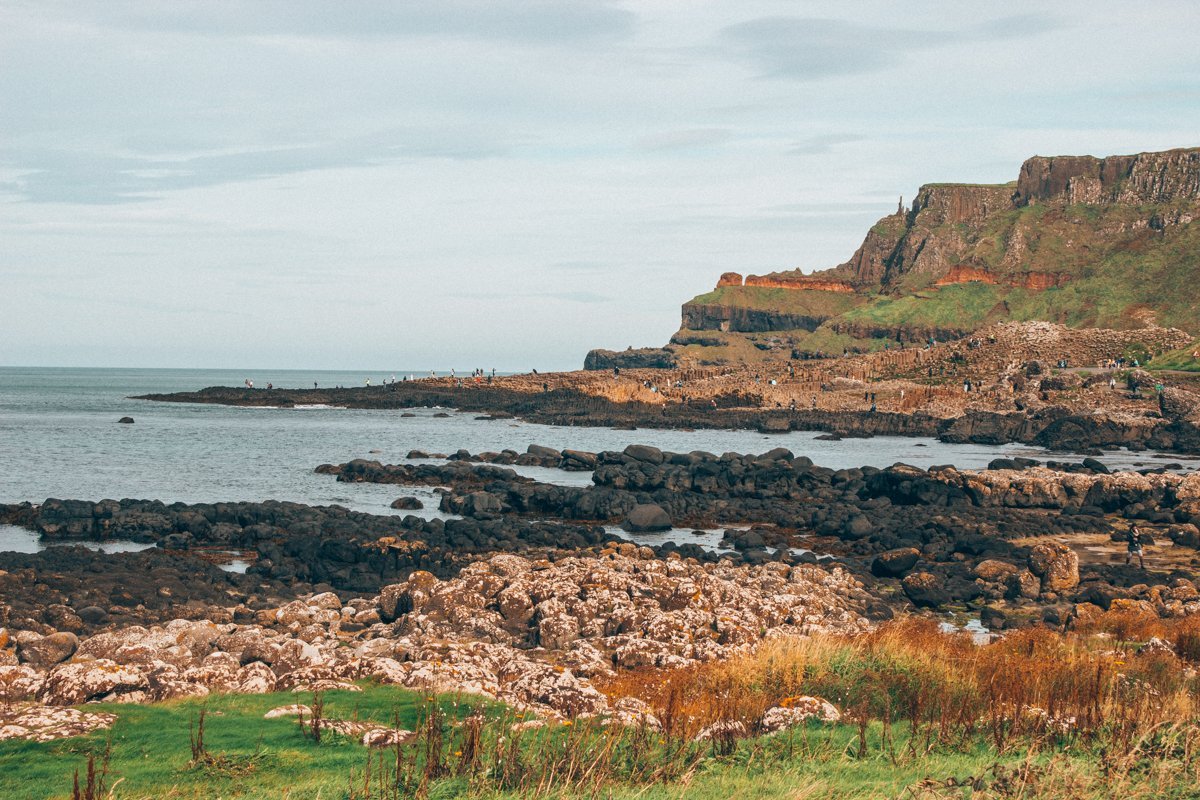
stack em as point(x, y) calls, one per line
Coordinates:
point(1082, 241)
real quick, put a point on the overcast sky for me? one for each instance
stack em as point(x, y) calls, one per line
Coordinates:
point(391, 185)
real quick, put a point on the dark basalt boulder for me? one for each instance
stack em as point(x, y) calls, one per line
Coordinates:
point(925, 590)
point(125, 421)
point(644, 453)
point(407, 503)
point(895, 563)
point(646, 518)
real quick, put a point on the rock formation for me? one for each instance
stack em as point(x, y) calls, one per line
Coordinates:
point(1104, 236)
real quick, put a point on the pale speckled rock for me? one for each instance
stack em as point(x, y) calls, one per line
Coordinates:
point(529, 633)
point(720, 730)
point(75, 683)
point(19, 683)
point(255, 678)
point(41, 723)
point(385, 737)
point(294, 710)
point(797, 711)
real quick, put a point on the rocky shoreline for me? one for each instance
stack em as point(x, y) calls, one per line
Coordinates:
point(526, 596)
point(532, 633)
point(998, 386)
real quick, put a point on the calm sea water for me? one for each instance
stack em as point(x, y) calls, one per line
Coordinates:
point(59, 437)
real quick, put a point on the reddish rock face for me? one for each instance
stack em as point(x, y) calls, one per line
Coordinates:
point(729, 279)
point(962, 274)
point(1024, 280)
point(799, 282)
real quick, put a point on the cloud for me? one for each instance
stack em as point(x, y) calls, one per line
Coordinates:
point(530, 21)
point(581, 296)
point(64, 176)
point(823, 143)
point(686, 139)
point(808, 48)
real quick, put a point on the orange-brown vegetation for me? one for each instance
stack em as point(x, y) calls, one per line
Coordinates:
point(1034, 684)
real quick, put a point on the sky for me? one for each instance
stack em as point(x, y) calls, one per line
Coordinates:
point(463, 183)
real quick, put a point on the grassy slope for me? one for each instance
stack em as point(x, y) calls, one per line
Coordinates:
point(1181, 359)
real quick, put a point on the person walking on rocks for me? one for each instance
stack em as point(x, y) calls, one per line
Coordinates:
point(1134, 546)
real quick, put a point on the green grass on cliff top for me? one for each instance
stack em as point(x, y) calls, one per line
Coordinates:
point(259, 758)
point(788, 301)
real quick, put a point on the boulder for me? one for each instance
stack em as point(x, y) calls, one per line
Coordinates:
point(797, 710)
point(72, 684)
point(925, 590)
point(543, 452)
point(644, 453)
point(994, 571)
point(93, 615)
point(895, 563)
point(48, 650)
point(1056, 564)
point(857, 527)
point(645, 518)
point(407, 503)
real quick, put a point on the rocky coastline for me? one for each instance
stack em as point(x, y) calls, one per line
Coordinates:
point(528, 594)
point(1028, 383)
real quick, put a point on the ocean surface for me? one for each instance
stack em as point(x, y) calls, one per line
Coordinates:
point(59, 437)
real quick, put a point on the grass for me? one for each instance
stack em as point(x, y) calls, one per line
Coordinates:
point(790, 301)
point(252, 757)
point(1094, 713)
point(1180, 360)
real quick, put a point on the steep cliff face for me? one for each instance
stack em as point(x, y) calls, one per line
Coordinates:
point(1143, 179)
point(1084, 241)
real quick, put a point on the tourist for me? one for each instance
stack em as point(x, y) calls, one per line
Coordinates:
point(1134, 548)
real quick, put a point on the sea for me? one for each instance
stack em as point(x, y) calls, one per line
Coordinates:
point(60, 438)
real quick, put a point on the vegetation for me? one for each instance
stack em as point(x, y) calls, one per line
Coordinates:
point(1124, 267)
point(925, 714)
point(789, 301)
point(1179, 360)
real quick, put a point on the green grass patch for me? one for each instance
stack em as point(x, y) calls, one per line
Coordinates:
point(252, 756)
point(791, 301)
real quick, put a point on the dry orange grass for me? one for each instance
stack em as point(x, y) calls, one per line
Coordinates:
point(947, 689)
